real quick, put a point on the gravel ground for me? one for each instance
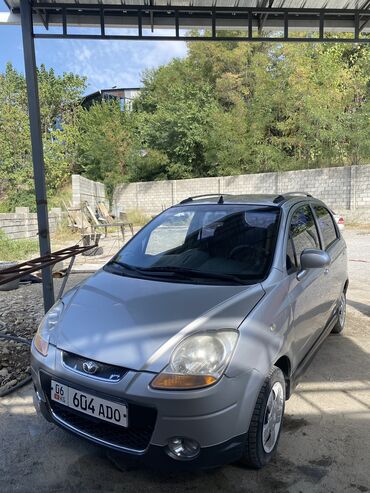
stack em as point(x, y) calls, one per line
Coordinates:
point(20, 313)
point(324, 445)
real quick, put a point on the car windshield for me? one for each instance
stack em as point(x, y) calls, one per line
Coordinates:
point(216, 243)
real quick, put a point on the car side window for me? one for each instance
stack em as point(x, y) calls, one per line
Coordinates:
point(302, 234)
point(326, 225)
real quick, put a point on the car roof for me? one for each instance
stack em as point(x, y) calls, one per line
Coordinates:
point(272, 200)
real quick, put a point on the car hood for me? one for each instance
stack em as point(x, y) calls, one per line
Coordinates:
point(135, 323)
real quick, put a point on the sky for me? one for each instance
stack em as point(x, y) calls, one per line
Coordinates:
point(105, 63)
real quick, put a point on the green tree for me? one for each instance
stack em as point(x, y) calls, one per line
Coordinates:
point(226, 108)
point(234, 107)
point(103, 143)
point(147, 165)
point(173, 116)
point(59, 103)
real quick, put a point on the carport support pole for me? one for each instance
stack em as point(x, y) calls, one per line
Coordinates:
point(37, 148)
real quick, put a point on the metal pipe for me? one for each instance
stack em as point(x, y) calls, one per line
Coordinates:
point(37, 148)
point(66, 277)
point(237, 39)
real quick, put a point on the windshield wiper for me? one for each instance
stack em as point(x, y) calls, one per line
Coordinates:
point(178, 272)
point(146, 272)
point(125, 266)
point(190, 273)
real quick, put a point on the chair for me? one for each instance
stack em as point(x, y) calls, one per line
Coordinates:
point(95, 223)
point(104, 213)
point(77, 219)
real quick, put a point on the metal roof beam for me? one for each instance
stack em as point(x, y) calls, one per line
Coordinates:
point(261, 19)
point(195, 8)
point(181, 18)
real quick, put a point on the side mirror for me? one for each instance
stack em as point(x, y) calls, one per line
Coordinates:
point(313, 258)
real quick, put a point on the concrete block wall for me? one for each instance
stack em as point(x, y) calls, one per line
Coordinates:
point(23, 224)
point(332, 185)
point(85, 190)
point(344, 189)
point(361, 189)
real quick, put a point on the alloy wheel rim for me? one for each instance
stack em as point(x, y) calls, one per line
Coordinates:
point(273, 417)
point(342, 310)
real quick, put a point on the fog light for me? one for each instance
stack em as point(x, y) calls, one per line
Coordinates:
point(183, 448)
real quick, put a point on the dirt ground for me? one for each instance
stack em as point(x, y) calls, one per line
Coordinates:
point(324, 447)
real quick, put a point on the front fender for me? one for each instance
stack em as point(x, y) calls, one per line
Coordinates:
point(264, 333)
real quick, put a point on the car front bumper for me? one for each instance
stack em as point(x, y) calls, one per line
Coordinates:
point(216, 417)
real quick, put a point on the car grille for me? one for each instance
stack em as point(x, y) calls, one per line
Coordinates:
point(136, 437)
point(104, 371)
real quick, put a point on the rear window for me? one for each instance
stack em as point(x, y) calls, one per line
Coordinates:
point(326, 225)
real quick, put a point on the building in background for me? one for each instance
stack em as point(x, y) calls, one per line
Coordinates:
point(125, 96)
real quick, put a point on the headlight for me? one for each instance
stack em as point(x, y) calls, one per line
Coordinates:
point(198, 361)
point(48, 323)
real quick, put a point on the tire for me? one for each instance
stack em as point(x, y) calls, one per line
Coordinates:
point(262, 439)
point(339, 326)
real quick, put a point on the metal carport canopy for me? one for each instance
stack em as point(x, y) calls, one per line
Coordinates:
point(261, 20)
point(141, 18)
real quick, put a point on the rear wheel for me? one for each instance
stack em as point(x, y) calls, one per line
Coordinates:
point(339, 326)
point(265, 427)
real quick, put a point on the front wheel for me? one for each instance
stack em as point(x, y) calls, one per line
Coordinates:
point(265, 427)
point(339, 326)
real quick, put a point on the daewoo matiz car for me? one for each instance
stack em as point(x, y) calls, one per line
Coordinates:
point(184, 347)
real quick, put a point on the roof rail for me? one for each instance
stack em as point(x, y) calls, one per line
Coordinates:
point(298, 193)
point(285, 196)
point(220, 201)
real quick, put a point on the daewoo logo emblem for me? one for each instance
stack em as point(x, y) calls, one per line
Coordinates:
point(90, 367)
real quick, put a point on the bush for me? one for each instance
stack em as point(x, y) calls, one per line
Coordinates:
point(138, 217)
point(14, 250)
point(19, 198)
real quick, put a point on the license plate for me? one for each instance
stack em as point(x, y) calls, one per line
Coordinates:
point(89, 404)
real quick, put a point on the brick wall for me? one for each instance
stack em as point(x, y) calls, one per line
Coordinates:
point(85, 190)
point(23, 224)
point(344, 189)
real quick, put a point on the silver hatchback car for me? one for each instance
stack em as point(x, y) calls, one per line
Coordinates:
point(184, 347)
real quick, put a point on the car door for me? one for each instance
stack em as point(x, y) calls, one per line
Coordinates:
point(308, 296)
point(330, 239)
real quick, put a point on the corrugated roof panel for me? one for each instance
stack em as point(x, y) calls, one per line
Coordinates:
point(296, 4)
point(319, 4)
point(306, 20)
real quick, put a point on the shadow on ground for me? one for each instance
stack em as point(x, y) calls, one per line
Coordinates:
point(324, 444)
